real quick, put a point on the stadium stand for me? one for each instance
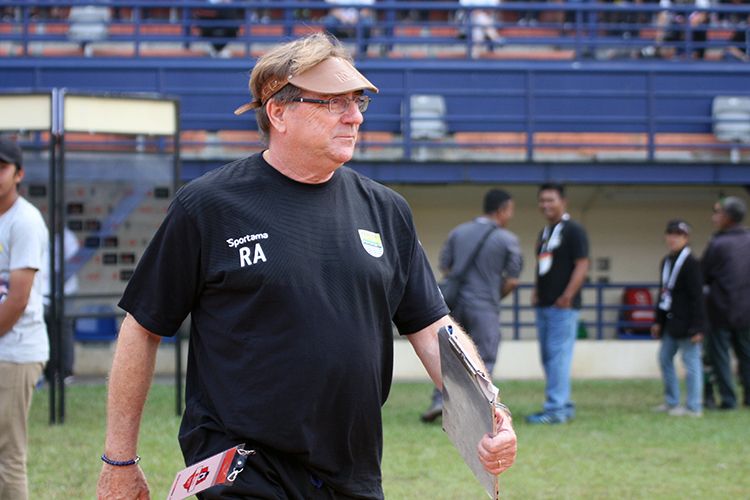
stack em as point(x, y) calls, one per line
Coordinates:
point(567, 96)
point(568, 85)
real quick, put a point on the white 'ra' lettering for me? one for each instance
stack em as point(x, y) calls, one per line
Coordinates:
point(258, 255)
point(245, 257)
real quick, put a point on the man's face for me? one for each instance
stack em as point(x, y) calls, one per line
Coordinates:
point(507, 211)
point(10, 176)
point(321, 134)
point(675, 241)
point(551, 204)
point(719, 218)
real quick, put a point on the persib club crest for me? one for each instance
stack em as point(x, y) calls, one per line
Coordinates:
point(371, 242)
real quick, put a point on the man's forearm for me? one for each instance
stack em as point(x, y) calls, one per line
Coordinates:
point(509, 284)
point(426, 346)
point(129, 382)
point(577, 278)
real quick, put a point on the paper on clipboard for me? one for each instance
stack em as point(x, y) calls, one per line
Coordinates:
point(469, 398)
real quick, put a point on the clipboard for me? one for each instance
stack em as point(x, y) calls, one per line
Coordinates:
point(469, 399)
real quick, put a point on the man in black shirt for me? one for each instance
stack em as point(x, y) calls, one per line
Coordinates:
point(726, 271)
point(293, 269)
point(562, 263)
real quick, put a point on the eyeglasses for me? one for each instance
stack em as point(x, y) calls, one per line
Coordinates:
point(339, 105)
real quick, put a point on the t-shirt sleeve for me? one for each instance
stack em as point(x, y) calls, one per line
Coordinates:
point(27, 240)
point(165, 284)
point(513, 259)
point(579, 243)
point(422, 303)
point(445, 259)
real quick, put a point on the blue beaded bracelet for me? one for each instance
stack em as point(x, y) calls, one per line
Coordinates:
point(120, 463)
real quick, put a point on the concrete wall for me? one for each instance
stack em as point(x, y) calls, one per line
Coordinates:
point(518, 360)
point(624, 223)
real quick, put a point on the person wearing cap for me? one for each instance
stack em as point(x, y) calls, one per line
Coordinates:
point(24, 347)
point(491, 274)
point(726, 271)
point(293, 268)
point(680, 322)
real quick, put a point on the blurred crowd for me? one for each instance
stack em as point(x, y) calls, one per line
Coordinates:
point(634, 29)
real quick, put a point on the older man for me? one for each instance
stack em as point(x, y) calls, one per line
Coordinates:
point(292, 268)
point(726, 271)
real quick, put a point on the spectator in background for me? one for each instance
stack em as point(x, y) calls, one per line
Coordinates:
point(680, 322)
point(351, 22)
point(88, 24)
point(67, 336)
point(737, 48)
point(23, 337)
point(726, 271)
point(673, 27)
point(562, 263)
point(219, 25)
point(491, 275)
point(482, 24)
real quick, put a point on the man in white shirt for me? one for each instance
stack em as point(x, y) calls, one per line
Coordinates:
point(23, 336)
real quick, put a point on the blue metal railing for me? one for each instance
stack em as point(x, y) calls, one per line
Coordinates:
point(604, 315)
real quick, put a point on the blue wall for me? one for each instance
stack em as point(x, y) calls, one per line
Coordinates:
point(631, 96)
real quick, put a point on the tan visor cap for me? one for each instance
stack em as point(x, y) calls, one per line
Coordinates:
point(332, 76)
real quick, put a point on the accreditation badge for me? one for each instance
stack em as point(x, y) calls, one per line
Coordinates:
point(221, 468)
point(665, 304)
point(545, 262)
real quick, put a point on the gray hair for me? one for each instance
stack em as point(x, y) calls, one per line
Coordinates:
point(734, 207)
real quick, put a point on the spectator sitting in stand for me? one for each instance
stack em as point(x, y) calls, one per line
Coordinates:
point(674, 26)
point(220, 25)
point(481, 24)
point(737, 48)
point(345, 22)
point(88, 24)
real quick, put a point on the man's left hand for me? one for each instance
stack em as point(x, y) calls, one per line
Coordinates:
point(497, 453)
point(564, 302)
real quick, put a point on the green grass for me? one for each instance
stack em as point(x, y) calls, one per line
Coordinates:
point(616, 448)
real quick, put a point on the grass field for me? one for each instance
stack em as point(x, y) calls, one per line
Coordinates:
point(616, 448)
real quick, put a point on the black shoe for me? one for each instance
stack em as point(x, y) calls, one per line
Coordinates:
point(432, 413)
point(727, 406)
point(709, 404)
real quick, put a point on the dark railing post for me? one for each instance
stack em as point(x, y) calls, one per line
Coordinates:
point(516, 314)
point(529, 116)
point(651, 120)
point(25, 27)
point(599, 311)
point(578, 30)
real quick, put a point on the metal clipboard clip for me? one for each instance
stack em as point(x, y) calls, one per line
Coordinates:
point(482, 379)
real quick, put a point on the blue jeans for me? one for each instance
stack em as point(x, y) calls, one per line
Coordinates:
point(691, 358)
point(557, 329)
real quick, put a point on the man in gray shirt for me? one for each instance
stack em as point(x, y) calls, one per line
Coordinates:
point(492, 275)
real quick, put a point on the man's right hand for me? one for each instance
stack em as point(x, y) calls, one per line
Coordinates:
point(122, 483)
point(656, 331)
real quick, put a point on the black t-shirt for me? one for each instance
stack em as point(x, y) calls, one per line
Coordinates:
point(573, 245)
point(293, 289)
